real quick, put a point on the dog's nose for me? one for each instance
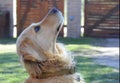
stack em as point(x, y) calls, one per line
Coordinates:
point(54, 10)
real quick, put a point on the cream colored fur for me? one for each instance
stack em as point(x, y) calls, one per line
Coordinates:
point(41, 46)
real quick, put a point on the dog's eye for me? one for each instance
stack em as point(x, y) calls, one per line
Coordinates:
point(37, 28)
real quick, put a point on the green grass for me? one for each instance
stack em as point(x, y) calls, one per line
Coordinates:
point(10, 69)
point(81, 45)
point(94, 73)
point(12, 72)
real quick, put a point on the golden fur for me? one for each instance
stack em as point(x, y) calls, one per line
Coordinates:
point(39, 52)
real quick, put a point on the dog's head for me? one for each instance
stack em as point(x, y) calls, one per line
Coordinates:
point(37, 44)
point(44, 33)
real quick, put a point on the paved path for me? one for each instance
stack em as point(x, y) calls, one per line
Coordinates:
point(107, 54)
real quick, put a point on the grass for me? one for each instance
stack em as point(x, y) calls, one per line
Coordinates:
point(81, 45)
point(94, 73)
point(10, 69)
point(12, 72)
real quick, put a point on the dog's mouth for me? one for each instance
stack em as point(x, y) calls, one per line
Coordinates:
point(58, 28)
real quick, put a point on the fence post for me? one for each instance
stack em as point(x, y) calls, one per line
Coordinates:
point(74, 15)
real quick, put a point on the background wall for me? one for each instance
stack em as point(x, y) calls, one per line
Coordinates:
point(30, 11)
point(74, 16)
point(7, 5)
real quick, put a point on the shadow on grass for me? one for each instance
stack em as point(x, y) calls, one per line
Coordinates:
point(99, 42)
point(8, 57)
point(75, 40)
point(7, 40)
point(62, 40)
point(11, 70)
point(94, 73)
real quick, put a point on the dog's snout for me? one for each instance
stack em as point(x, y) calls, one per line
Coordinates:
point(54, 10)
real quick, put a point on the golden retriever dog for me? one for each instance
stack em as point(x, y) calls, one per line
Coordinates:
point(45, 60)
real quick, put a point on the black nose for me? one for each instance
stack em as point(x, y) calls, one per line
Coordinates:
point(54, 10)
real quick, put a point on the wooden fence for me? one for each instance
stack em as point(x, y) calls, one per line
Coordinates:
point(102, 18)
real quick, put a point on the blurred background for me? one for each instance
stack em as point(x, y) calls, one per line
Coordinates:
point(90, 33)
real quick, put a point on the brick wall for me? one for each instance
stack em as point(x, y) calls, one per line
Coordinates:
point(74, 15)
point(30, 11)
point(7, 5)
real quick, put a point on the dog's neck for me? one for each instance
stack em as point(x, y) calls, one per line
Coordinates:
point(48, 44)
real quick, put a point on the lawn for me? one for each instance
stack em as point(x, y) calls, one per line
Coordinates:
point(12, 72)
